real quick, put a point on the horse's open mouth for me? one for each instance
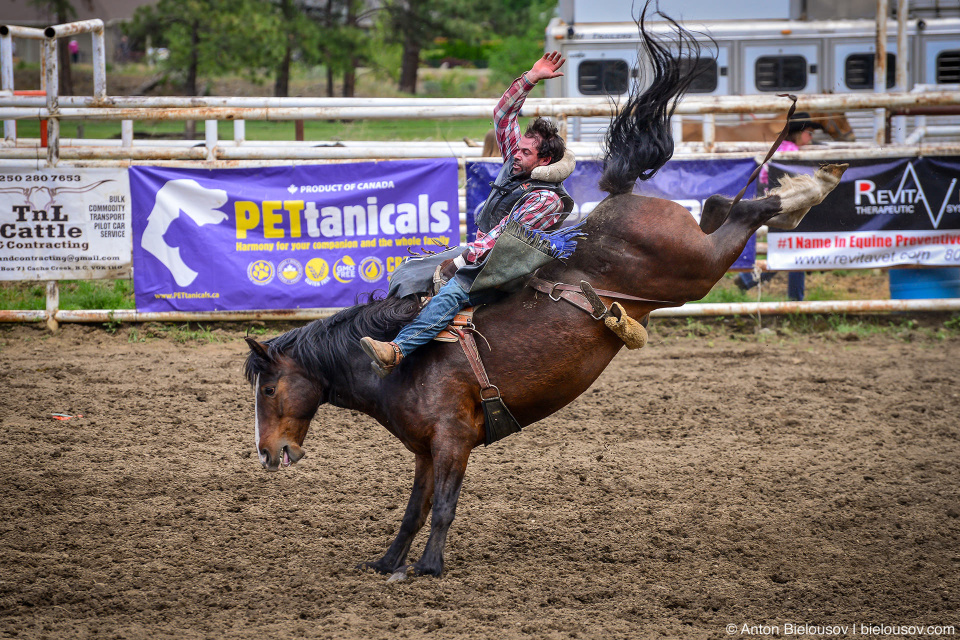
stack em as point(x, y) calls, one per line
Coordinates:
point(270, 463)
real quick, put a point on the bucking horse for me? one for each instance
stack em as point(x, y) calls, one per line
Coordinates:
point(547, 342)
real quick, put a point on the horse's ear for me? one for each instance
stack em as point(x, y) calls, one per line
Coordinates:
point(257, 348)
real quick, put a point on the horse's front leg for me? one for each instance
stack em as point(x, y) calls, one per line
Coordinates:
point(413, 519)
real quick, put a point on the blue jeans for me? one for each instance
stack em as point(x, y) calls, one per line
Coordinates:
point(432, 319)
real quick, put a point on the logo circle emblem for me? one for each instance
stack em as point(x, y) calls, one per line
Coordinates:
point(317, 271)
point(345, 270)
point(371, 269)
point(290, 271)
point(261, 272)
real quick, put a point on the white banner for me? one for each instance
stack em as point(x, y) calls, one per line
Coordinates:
point(64, 224)
point(862, 250)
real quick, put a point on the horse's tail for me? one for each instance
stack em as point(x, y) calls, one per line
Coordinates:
point(639, 140)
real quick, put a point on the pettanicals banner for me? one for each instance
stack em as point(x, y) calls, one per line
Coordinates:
point(687, 182)
point(884, 213)
point(284, 237)
point(67, 223)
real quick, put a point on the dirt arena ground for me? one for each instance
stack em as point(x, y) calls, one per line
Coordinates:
point(717, 477)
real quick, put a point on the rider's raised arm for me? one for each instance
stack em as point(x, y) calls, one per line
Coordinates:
point(508, 109)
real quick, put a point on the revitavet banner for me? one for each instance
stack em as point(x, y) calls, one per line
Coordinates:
point(64, 223)
point(884, 213)
point(283, 237)
point(687, 182)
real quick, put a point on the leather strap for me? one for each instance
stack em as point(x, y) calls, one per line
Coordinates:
point(470, 350)
point(462, 319)
point(572, 294)
point(773, 149)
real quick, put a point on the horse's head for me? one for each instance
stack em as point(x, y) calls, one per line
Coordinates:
point(285, 402)
point(835, 125)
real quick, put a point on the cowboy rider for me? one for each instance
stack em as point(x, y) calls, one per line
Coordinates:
point(537, 204)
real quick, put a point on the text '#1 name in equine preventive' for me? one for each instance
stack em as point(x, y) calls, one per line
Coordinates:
point(838, 630)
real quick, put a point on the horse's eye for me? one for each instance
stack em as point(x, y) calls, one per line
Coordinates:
point(269, 391)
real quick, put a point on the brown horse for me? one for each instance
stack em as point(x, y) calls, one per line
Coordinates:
point(544, 353)
point(766, 129)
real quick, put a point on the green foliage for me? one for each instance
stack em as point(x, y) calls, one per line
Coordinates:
point(210, 37)
point(22, 296)
point(313, 130)
point(453, 84)
point(74, 294)
point(465, 53)
point(96, 294)
point(523, 40)
point(184, 333)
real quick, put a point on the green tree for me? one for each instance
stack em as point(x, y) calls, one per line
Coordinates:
point(522, 39)
point(338, 40)
point(415, 24)
point(211, 37)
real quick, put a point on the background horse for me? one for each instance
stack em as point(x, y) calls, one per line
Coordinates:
point(766, 129)
point(544, 353)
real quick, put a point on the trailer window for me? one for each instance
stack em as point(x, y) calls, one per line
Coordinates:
point(948, 67)
point(858, 70)
point(603, 77)
point(781, 73)
point(704, 70)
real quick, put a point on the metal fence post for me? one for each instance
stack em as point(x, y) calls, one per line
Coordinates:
point(53, 305)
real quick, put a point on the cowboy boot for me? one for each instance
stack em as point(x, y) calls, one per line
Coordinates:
point(385, 355)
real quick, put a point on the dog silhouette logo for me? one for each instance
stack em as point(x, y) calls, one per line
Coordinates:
point(191, 199)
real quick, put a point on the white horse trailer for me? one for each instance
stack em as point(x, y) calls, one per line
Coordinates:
point(764, 56)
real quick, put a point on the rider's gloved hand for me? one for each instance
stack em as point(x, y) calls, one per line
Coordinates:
point(448, 268)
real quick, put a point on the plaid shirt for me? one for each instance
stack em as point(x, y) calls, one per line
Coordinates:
point(540, 209)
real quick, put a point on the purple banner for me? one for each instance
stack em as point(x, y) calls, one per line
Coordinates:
point(283, 237)
point(688, 182)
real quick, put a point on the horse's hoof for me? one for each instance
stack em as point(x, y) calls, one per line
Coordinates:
point(398, 576)
point(834, 170)
point(374, 566)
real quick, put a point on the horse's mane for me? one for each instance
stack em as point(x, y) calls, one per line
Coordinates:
point(322, 345)
point(639, 140)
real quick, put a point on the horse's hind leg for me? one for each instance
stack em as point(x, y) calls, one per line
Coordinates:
point(795, 197)
point(782, 208)
point(715, 212)
point(413, 519)
point(798, 193)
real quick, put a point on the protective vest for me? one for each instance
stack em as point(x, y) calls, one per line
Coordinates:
point(507, 190)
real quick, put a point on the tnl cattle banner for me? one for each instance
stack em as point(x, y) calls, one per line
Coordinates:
point(903, 211)
point(58, 224)
point(284, 237)
point(687, 182)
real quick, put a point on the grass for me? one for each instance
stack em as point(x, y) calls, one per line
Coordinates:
point(387, 130)
point(181, 333)
point(836, 327)
point(433, 83)
point(74, 294)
